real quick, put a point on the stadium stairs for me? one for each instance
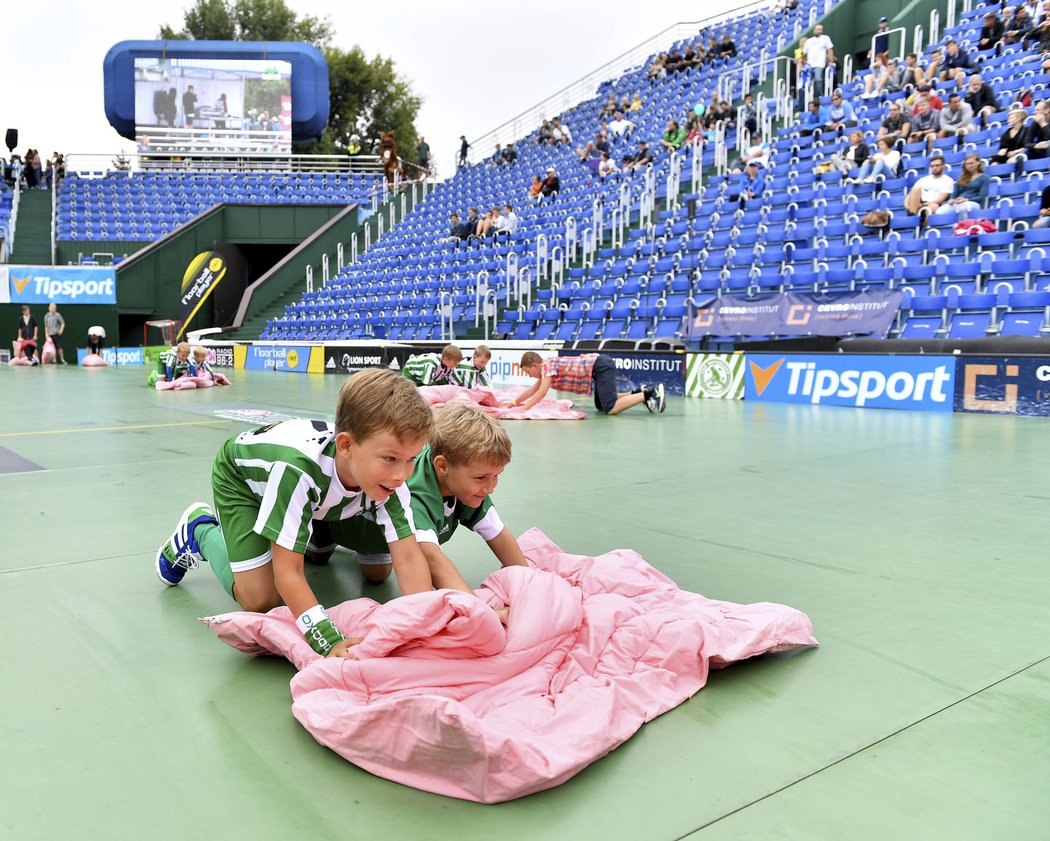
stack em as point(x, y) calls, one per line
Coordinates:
point(33, 244)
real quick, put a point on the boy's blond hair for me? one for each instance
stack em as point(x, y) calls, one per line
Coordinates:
point(530, 357)
point(380, 400)
point(453, 353)
point(483, 351)
point(464, 434)
point(200, 352)
point(183, 347)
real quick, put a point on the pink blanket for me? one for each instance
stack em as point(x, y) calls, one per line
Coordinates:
point(185, 382)
point(444, 699)
point(498, 405)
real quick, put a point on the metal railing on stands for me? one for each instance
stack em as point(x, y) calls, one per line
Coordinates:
point(12, 222)
point(89, 165)
point(584, 88)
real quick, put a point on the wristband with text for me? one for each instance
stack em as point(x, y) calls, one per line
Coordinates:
point(319, 630)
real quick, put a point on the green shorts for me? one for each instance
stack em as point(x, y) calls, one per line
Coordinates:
point(360, 534)
point(237, 510)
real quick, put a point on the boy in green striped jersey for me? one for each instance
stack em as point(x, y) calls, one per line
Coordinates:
point(431, 369)
point(450, 486)
point(471, 373)
point(270, 484)
point(172, 364)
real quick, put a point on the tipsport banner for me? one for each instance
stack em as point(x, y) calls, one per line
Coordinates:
point(867, 313)
point(847, 379)
point(58, 284)
point(199, 280)
point(1003, 385)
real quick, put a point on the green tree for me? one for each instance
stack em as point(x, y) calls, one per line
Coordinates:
point(366, 95)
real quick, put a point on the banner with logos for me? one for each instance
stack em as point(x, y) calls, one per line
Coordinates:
point(349, 359)
point(635, 369)
point(58, 284)
point(220, 356)
point(279, 357)
point(1003, 385)
point(874, 382)
point(199, 280)
point(117, 355)
point(719, 376)
point(867, 313)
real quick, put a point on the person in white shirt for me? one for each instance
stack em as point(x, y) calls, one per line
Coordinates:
point(560, 132)
point(606, 166)
point(820, 53)
point(930, 191)
point(620, 127)
point(96, 339)
point(508, 221)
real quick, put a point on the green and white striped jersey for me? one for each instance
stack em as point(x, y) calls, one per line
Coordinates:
point(170, 357)
point(467, 376)
point(288, 470)
point(426, 369)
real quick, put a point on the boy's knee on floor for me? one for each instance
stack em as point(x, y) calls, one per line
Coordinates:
point(376, 573)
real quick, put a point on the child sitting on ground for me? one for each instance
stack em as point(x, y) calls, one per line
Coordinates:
point(450, 486)
point(172, 364)
point(270, 484)
point(471, 373)
point(432, 369)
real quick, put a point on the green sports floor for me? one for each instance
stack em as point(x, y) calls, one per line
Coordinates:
point(917, 543)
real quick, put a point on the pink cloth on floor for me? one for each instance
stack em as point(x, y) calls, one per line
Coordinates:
point(187, 382)
point(498, 405)
point(93, 360)
point(444, 699)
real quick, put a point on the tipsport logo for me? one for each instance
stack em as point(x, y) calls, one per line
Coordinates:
point(860, 381)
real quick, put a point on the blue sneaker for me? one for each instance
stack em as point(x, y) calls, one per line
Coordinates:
point(180, 553)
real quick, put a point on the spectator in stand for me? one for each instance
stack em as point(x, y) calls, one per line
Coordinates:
point(457, 231)
point(803, 72)
point(560, 134)
point(1018, 26)
point(718, 110)
point(470, 224)
point(748, 114)
point(594, 148)
point(852, 157)
point(727, 49)
point(486, 225)
point(463, 148)
point(928, 93)
point(657, 70)
point(536, 187)
point(189, 106)
point(610, 106)
point(838, 114)
point(782, 7)
point(545, 135)
point(991, 32)
point(981, 98)
point(551, 185)
point(925, 124)
point(1039, 131)
point(758, 152)
point(1044, 210)
point(957, 118)
point(510, 154)
point(1014, 140)
point(620, 127)
point(752, 184)
point(497, 156)
point(885, 76)
point(970, 194)
point(930, 191)
point(144, 147)
point(507, 224)
point(956, 63)
point(32, 168)
point(606, 166)
point(912, 74)
point(883, 163)
point(812, 121)
point(881, 41)
point(820, 54)
point(636, 102)
point(896, 126)
point(935, 66)
point(423, 155)
point(694, 131)
point(640, 159)
point(673, 137)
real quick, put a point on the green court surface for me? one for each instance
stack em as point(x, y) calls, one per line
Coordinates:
point(915, 542)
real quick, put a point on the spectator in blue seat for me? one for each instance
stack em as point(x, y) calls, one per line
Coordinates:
point(1039, 131)
point(1043, 219)
point(957, 118)
point(991, 32)
point(980, 97)
point(551, 185)
point(971, 189)
point(1014, 140)
point(727, 49)
point(748, 114)
point(926, 123)
point(640, 159)
point(956, 63)
point(620, 127)
point(1018, 26)
point(896, 125)
point(885, 76)
point(457, 230)
point(673, 137)
point(752, 183)
point(882, 164)
point(838, 114)
point(606, 166)
point(510, 154)
point(811, 122)
point(508, 223)
point(853, 156)
point(497, 156)
point(930, 192)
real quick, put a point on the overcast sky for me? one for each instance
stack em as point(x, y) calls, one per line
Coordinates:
point(474, 64)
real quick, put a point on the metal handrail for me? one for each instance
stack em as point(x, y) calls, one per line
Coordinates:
point(91, 162)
